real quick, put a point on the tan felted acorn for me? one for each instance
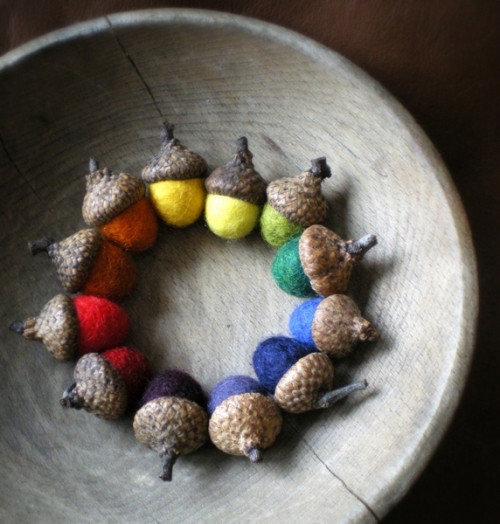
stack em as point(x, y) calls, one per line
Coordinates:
point(236, 193)
point(87, 262)
point(294, 203)
point(117, 205)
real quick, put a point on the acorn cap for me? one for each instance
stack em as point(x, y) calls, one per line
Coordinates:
point(98, 388)
point(108, 194)
point(245, 424)
point(338, 325)
point(56, 326)
point(299, 198)
point(300, 387)
point(328, 260)
point(174, 161)
point(238, 178)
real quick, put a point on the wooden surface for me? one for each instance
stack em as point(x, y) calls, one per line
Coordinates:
point(203, 304)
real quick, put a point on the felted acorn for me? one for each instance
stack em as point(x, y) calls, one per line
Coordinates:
point(116, 204)
point(236, 193)
point(172, 420)
point(107, 384)
point(176, 176)
point(300, 377)
point(70, 327)
point(294, 203)
point(244, 419)
point(87, 262)
point(333, 325)
point(318, 262)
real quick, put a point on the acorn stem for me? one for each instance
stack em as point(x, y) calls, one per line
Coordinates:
point(70, 399)
point(254, 455)
point(168, 460)
point(242, 144)
point(93, 165)
point(17, 326)
point(358, 248)
point(320, 168)
point(37, 246)
point(329, 398)
point(167, 132)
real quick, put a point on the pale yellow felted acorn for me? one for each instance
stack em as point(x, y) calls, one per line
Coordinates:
point(294, 203)
point(236, 193)
point(175, 175)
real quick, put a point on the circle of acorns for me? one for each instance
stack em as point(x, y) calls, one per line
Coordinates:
point(242, 415)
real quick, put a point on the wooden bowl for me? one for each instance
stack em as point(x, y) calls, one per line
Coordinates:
point(202, 304)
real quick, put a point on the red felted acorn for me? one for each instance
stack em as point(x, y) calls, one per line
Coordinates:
point(70, 327)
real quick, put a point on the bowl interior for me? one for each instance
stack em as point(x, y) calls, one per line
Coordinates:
point(202, 304)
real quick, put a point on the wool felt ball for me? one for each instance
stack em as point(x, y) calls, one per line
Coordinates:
point(276, 230)
point(233, 385)
point(230, 217)
point(301, 320)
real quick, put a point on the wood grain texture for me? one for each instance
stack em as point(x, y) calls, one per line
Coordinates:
point(202, 304)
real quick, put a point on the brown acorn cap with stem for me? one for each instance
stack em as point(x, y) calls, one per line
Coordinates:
point(245, 424)
point(98, 388)
point(56, 326)
point(338, 326)
point(238, 178)
point(328, 260)
point(307, 385)
point(174, 161)
point(171, 426)
point(73, 257)
point(299, 198)
point(109, 194)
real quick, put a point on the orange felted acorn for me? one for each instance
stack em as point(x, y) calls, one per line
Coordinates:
point(87, 262)
point(116, 204)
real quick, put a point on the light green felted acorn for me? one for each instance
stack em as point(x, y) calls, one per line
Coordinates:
point(294, 204)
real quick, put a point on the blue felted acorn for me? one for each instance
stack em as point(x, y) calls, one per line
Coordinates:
point(244, 419)
point(300, 377)
point(333, 325)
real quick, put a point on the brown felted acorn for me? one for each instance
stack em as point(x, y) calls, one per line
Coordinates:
point(87, 262)
point(116, 204)
point(176, 176)
point(236, 193)
point(294, 203)
point(334, 325)
point(244, 419)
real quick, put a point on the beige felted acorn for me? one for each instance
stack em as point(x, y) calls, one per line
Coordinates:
point(116, 204)
point(236, 193)
point(244, 419)
point(294, 203)
point(176, 176)
point(87, 262)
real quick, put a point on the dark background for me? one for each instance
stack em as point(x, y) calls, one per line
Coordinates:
point(441, 59)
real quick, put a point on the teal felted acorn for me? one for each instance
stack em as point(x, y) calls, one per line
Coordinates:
point(294, 203)
point(318, 262)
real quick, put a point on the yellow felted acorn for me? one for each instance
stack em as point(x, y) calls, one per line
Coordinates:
point(294, 203)
point(176, 176)
point(236, 193)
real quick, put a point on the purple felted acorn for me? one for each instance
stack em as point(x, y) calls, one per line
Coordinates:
point(172, 419)
point(244, 420)
point(300, 377)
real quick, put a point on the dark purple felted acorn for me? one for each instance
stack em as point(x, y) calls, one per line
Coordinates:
point(172, 419)
point(318, 262)
point(244, 420)
point(333, 325)
point(300, 377)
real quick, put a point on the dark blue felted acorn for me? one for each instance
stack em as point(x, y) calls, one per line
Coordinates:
point(172, 419)
point(244, 419)
point(333, 325)
point(300, 377)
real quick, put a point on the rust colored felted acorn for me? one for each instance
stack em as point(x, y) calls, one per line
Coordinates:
point(107, 384)
point(70, 327)
point(244, 420)
point(236, 193)
point(333, 325)
point(176, 176)
point(318, 262)
point(172, 420)
point(116, 204)
point(87, 262)
point(294, 203)
point(300, 377)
